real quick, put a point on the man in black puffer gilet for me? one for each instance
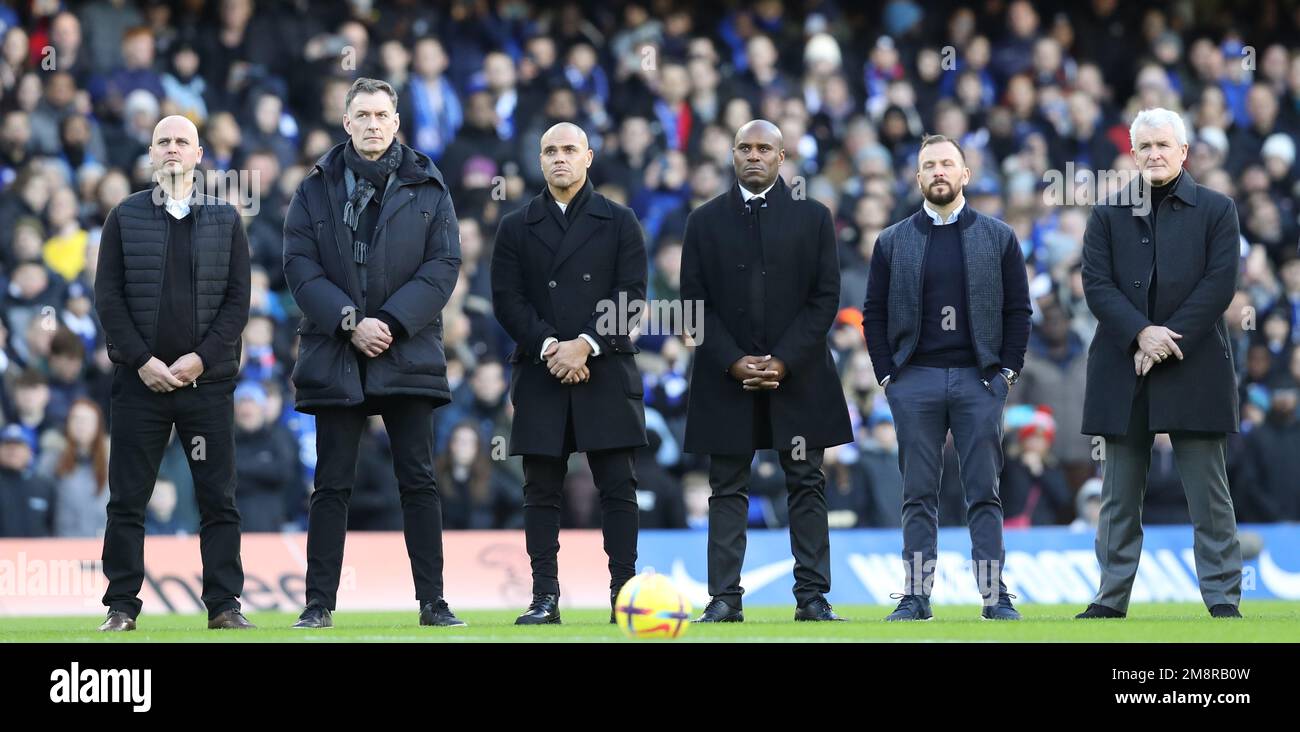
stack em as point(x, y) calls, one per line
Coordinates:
point(172, 290)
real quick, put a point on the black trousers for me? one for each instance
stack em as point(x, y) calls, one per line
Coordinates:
point(409, 422)
point(615, 479)
point(142, 422)
point(810, 540)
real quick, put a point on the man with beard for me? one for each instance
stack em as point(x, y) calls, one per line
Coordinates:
point(947, 321)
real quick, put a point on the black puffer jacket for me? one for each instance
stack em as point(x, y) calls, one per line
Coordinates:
point(416, 251)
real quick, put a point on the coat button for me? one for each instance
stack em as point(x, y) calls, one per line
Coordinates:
point(586, 277)
point(551, 284)
point(1175, 207)
point(740, 310)
point(1146, 240)
point(1137, 283)
point(740, 267)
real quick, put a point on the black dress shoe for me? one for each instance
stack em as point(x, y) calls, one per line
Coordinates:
point(117, 621)
point(718, 611)
point(1225, 611)
point(1098, 612)
point(437, 613)
point(545, 609)
point(817, 609)
point(315, 616)
point(230, 620)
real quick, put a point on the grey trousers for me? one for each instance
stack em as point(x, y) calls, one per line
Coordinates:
point(1202, 465)
point(927, 402)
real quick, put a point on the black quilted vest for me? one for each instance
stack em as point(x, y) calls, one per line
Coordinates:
point(144, 252)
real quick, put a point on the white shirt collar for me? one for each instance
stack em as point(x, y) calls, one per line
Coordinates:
point(177, 207)
point(934, 215)
point(562, 206)
point(745, 195)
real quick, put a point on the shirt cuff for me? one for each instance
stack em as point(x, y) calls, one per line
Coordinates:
point(547, 344)
point(595, 347)
point(394, 327)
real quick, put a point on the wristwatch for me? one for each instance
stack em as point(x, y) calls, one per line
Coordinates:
point(1011, 375)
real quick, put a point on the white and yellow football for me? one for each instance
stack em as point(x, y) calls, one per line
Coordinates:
point(650, 606)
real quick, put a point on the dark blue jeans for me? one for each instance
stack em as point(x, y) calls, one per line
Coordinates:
point(928, 402)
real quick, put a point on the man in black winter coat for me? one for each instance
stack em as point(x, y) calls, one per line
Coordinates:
point(762, 263)
point(558, 264)
point(172, 289)
point(371, 255)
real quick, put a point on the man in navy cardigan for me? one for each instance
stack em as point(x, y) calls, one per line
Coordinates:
point(947, 321)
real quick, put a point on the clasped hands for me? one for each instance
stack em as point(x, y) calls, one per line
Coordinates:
point(567, 360)
point(758, 373)
point(1156, 343)
point(161, 378)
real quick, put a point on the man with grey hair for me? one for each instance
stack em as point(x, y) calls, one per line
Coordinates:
point(371, 254)
point(1159, 269)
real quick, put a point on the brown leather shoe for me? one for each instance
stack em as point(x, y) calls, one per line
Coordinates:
point(117, 621)
point(230, 620)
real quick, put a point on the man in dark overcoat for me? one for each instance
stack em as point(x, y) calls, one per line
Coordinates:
point(1159, 269)
point(568, 271)
point(761, 260)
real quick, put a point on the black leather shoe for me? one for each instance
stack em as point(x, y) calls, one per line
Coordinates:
point(315, 616)
point(718, 611)
point(117, 621)
point(230, 620)
point(1099, 612)
point(437, 613)
point(910, 607)
point(817, 609)
point(545, 609)
point(1003, 610)
point(1225, 611)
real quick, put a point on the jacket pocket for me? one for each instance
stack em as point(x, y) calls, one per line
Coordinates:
point(313, 369)
point(632, 377)
point(421, 353)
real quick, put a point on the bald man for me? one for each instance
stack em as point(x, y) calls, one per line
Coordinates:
point(558, 264)
point(762, 261)
point(172, 290)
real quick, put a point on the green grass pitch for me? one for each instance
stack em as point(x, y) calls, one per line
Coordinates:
point(1268, 621)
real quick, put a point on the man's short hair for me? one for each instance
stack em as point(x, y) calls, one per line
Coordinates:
point(369, 86)
point(1158, 117)
point(938, 139)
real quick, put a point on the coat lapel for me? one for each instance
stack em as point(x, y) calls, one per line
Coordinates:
point(593, 216)
point(540, 224)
